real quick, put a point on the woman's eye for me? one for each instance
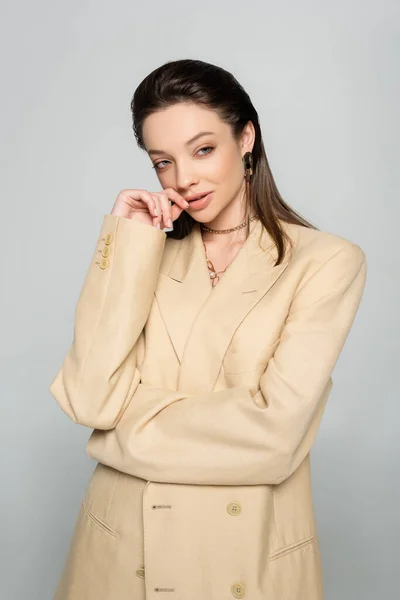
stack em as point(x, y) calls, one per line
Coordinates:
point(157, 165)
point(206, 148)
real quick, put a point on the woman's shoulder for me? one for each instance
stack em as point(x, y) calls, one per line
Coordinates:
point(321, 244)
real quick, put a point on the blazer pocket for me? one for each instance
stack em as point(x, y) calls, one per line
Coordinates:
point(98, 500)
point(242, 370)
point(293, 547)
point(98, 521)
point(237, 363)
point(247, 379)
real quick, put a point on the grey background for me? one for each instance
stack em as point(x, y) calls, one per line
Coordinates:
point(324, 79)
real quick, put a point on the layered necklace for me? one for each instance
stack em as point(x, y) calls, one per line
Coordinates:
point(215, 275)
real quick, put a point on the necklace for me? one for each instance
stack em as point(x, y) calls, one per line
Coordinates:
point(204, 228)
point(215, 275)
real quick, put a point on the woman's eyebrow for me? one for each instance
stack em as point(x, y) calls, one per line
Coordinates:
point(193, 139)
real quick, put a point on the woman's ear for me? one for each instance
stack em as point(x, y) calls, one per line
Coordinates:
point(248, 137)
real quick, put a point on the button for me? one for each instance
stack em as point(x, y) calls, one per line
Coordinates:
point(140, 572)
point(106, 251)
point(109, 239)
point(103, 263)
point(237, 590)
point(234, 508)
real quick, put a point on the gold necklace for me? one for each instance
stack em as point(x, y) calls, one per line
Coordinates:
point(204, 228)
point(214, 275)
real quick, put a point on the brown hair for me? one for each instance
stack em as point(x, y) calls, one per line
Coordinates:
point(213, 87)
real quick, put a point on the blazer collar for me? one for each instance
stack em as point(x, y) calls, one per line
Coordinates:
point(200, 319)
point(251, 258)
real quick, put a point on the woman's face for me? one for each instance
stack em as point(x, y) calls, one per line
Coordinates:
point(210, 163)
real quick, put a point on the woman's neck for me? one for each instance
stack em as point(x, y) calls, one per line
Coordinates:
point(229, 239)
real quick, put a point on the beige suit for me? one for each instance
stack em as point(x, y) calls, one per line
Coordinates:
point(205, 403)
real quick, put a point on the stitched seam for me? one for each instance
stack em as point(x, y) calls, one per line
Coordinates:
point(145, 532)
point(116, 478)
point(292, 547)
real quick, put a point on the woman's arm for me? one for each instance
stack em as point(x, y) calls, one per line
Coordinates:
point(99, 374)
point(229, 437)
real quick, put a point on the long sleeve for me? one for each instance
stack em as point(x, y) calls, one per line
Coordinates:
point(230, 437)
point(99, 373)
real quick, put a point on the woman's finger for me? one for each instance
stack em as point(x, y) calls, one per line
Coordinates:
point(165, 204)
point(158, 220)
point(142, 196)
point(175, 211)
point(176, 197)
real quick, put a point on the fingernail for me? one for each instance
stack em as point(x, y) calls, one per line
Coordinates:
point(186, 203)
point(155, 212)
point(158, 226)
point(169, 223)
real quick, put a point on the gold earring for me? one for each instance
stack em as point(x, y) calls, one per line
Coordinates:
point(248, 166)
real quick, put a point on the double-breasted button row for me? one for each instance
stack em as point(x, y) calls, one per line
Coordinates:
point(234, 508)
point(140, 572)
point(106, 251)
point(238, 590)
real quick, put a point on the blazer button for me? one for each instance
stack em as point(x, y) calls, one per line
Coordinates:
point(106, 251)
point(237, 590)
point(109, 239)
point(103, 263)
point(140, 572)
point(234, 509)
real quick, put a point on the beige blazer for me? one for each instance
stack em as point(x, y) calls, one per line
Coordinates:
point(204, 404)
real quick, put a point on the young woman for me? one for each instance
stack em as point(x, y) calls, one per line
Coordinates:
point(202, 359)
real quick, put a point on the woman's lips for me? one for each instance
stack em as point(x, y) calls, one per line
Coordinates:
point(201, 203)
point(196, 196)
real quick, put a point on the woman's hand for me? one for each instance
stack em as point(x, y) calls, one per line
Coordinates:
point(152, 208)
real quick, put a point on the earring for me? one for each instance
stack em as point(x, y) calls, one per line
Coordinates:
point(248, 166)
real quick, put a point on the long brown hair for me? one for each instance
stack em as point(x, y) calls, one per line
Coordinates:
point(213, 87)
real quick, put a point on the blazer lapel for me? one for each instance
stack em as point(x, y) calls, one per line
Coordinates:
point(183, 287)
point(201, 320)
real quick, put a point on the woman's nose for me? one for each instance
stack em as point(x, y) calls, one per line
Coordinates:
point(186, 176)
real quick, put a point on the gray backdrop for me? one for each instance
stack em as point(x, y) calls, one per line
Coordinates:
point(324, 79)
